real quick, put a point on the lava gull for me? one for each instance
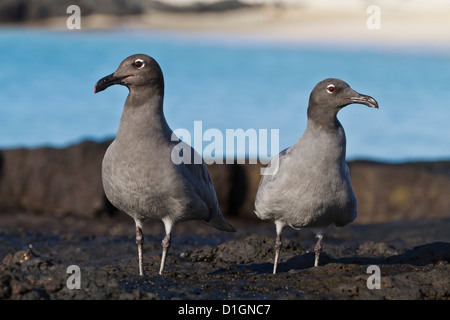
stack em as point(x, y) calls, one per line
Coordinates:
point(140, 174)
point(309, 185)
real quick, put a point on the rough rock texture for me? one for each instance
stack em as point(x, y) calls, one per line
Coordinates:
point(413, 257)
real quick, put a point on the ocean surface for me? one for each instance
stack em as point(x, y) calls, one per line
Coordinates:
point(47, 83)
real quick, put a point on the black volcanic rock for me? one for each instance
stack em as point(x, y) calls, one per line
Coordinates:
point(58, 181)
point(398, 191)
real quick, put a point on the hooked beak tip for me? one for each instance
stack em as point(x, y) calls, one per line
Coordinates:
point(365, 100)
point(372, 103)
point(108, 81)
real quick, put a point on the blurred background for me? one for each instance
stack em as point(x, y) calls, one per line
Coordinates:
point(232, 64)
point(247, 64)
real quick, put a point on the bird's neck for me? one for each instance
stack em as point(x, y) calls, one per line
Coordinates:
point(327, 133)
point(142, 118)
point(325, 119)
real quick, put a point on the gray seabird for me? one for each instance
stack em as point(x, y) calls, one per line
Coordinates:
point(139, 176)
point(311, 186)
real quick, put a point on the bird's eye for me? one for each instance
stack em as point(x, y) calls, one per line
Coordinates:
point(331, 88)
point(138, 64)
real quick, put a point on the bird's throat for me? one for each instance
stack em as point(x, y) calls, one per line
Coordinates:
point(324, 119)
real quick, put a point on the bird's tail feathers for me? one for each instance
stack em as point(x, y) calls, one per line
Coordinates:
point(218, 221)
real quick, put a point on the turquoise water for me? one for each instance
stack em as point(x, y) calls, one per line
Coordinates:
point(47, 83)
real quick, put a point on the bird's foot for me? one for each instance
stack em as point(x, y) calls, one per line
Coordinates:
point(317, 250)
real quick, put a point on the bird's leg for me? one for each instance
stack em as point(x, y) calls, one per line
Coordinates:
point(165, 243)
point(140, 243)
point(277, 252)
point(279, 226)
point(318, 249)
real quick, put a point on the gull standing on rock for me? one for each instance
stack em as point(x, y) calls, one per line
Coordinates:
point(139, 176)
point(311, 186)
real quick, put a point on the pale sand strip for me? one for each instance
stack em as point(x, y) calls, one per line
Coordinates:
point(398, 26)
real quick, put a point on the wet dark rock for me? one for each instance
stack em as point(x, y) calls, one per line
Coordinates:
point(431, 253)
point(35, 294)
point(34, 263)
point(23, 256)
point(376, 249)
point(236, 251)
point(5, 285)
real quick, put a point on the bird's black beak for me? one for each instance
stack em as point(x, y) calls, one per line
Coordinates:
point(367, 100)
point(108, 81)
point(358, 98)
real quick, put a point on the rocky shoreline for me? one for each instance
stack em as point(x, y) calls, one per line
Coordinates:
point(413, 257)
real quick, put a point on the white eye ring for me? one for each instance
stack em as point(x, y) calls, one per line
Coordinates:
point(138, 63)
point(331, 88)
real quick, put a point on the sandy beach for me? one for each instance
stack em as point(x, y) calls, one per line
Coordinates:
point(401, 23)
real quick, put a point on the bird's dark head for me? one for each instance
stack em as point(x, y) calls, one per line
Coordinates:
point(331, 95)
point(136, 71)
point(336, 94)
